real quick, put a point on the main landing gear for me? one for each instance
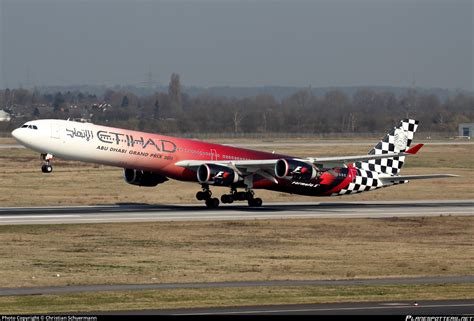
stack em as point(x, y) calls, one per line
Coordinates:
point(248, 196)
point(206, 195)
point(47, 167)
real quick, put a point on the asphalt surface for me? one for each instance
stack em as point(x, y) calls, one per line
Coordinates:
point(179, 212)
point(292, 283)
point(405, 308)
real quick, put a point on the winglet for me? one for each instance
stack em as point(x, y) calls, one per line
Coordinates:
point(414, 149)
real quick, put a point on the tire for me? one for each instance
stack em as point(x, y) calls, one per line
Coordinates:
point(227, 199)
point(47, 169)
point(239, 196)
point(200, 196)
point(212, 203)
point(255, 202)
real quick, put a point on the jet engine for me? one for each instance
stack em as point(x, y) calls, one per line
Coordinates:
point(142, 178)
point(295, 170)
point(220, 175)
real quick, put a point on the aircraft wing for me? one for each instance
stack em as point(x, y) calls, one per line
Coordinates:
point(242, 165)
point(263, 167)
point(246, 167)
point(395, 179)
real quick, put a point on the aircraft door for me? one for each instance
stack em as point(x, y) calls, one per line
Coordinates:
point(55, 131)
point(213, 154)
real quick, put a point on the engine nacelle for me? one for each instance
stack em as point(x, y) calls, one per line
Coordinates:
point(295, 170)
point(220, 175)
point(142, 178)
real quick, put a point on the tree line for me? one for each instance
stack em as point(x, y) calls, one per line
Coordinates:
point(366, 111)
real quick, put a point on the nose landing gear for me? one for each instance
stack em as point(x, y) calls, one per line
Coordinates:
point(47, 167)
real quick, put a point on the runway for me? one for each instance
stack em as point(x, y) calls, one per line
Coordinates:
point(194, 212)
point(405, 308)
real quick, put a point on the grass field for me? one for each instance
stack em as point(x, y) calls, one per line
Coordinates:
point(164, 252)
point(228, 251)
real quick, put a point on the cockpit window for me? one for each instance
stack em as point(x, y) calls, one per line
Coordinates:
point(29, 126)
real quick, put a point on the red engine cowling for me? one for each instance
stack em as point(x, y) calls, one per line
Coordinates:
point(295, 170)
point(142, 178)
point(219, 175)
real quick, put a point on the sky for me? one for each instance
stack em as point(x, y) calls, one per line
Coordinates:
point(317, 43)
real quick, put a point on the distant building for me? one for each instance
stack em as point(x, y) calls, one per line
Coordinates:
point(466, 130)
point(4, 116)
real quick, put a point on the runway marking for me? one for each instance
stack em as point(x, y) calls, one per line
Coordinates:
point(328, 309)
point(11, 146)
point(39, 216)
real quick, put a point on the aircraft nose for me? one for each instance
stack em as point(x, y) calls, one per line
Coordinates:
point(16, 133)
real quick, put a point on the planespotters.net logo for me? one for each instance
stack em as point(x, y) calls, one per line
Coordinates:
point(438, 318)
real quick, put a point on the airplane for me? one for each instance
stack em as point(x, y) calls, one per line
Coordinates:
point(150, 159)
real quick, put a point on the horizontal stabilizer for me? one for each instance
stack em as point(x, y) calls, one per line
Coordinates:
point(402, 178)
point(324, 162)
point(414, 149)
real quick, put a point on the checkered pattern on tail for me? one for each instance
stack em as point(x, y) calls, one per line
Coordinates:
point(397, 140)
point(364, 181)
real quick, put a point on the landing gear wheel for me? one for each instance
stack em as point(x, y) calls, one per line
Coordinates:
point(201, 196)
point(46, 168)
point(255, 202)
point(227, 199)
point(205, 194)
point(212, 202)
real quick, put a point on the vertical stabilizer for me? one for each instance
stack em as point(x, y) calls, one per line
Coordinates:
point(396, 141)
